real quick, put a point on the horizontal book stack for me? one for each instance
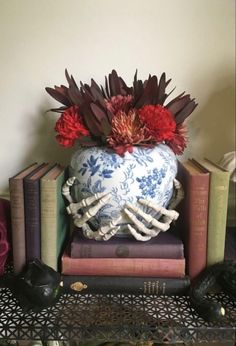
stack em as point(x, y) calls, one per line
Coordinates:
point(38, 214)
point(203, 213)
point(125, 265)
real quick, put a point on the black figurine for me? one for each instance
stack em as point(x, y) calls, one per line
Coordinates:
point(37, 287)
point(222, 274)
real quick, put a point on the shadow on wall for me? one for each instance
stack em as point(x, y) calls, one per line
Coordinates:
point(45, 147)
point(212, 130)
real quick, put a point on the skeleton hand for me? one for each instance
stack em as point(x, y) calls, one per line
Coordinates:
point(91, 205)
point(153, 227)
point(145, 233)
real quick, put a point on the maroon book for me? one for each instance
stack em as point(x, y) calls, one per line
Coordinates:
point(165, 245)
point(156, 267)
point(193, 219)
point(32, 211)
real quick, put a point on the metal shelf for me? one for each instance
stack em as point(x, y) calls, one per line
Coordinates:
point(120, 317)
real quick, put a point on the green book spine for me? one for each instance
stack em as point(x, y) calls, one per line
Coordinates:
point(217, 214)
point(54, 219)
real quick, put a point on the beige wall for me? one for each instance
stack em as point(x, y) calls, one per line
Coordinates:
point(192, 40)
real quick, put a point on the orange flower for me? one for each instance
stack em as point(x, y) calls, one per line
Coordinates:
point(127, 130)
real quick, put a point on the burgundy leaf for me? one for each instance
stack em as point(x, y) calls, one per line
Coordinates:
point(57, 95)
point(179, 104)
point(106, 127)
point(98, 112)
point(185, 112)
point(75, 96)
point(70, 80)
point(162, 89)
point(114, 83)
point(175, 99)
point(90, 121)
point(108, 95)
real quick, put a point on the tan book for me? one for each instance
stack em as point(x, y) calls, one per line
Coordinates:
point(217, 209)
point(54, 218)
point(16, 190)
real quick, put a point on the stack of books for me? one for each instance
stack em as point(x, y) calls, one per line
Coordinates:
point(125, 265)
point(203, 213)
point(38, 216)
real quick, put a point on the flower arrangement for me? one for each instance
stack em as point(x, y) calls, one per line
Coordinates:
point(120, 116)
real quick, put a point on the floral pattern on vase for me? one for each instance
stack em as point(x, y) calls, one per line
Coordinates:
point(145, 173)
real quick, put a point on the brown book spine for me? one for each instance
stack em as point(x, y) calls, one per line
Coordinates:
point(16, 190)
point(32, 213)
point(194, 219)
point(123, 266)
point(17, 223)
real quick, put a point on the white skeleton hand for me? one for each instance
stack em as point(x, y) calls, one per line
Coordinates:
point(151, 227)
point(93, 204)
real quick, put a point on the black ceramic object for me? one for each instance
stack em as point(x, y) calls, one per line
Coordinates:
point(37, 287)
point(221, 274)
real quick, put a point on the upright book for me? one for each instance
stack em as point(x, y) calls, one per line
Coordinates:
point(125, 284)
point(165, 245)
point(32, 211)
point(156, 267)
point(54, 218)
point(217, 210)
point(193, 217)
point(16, 191)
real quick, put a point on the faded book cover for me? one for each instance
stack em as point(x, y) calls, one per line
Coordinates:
point(16, 190)
point(54, 218)
point(193, 219)
point(165, 245)
point(217, 210)
point(156, 267)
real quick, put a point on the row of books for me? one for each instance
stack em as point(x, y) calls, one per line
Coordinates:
point(203, 213)
point(38, 217)
point(125, 265)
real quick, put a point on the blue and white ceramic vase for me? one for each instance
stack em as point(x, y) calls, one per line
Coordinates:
point(146, 173)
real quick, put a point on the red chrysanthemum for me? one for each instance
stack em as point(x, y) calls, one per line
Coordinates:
point(118, 103)
point(179, 142)
point(70, 127)
point(159, 121)
point(127, 130)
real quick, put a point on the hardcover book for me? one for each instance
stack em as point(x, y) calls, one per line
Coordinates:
point(16, 191)
point(156, 267)
point(217, 210)
point(193, 219)
point(32, 211)
point(54, 218)
point(126, 284)
point(165, 245)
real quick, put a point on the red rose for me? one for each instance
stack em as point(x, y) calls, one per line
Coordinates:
point(159, 121)
point(70, 127)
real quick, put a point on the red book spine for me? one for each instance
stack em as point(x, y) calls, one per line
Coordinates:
point(194, 219)
point(123, 266)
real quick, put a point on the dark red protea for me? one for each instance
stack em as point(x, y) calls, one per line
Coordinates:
point(144, 115)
